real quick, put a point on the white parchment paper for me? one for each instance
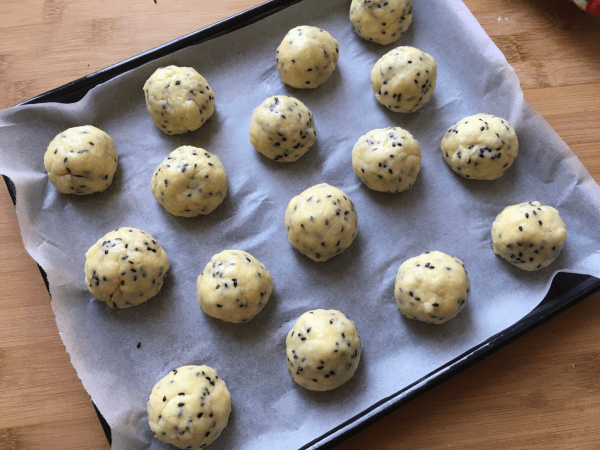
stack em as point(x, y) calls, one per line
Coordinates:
point(441, 211)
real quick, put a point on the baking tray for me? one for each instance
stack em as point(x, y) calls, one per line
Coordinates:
point(566, 289)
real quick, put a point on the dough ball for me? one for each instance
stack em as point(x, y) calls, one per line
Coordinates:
point(179, 99)
point(81, 160)
point(387, 159)
point(381, 22)
point(323, 349)
point(306, 57)
point(125, 268)
point(282, 128)
point(432, 287)
point(190, 181)
point(189, 407)
point(404, 79)
point(321, 222)
point(234, 286)
point(480, 147)
point(528, 235)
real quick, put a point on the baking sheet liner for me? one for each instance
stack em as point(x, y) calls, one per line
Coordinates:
point(441, 211)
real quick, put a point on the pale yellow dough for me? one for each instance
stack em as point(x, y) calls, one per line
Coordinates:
point(189, 407)
point(404, 79)
point(528, 235)
point(282, 128)
point(480, 147)
point(189, 182)
point(387, 159)
point(381, 21)
point(432, 287)
point(179, 99)
point(321, 222)
point(81, 160)
point(323, 349)
point(306, 57)
point(125, 268)
point(234, 286)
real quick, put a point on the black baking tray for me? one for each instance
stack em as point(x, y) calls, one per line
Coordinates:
point(566, 288)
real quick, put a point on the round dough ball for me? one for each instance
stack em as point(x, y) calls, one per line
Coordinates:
point(323, 349)
point(387, 159)
point(190, 181)
point(189, 407)
point(480, 147)
point(404, 79)
point(381, 22)
point(306, 57)
point(125, 268)
point(282, 128)
point(432, 287)
point(321, 222)
point(179, 99)
point(234, 286)
point(528, 235)
point(81, 160)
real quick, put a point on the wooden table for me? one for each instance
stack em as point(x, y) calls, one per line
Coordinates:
point(541, 391)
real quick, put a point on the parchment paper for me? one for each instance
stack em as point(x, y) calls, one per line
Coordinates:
point(441, 211)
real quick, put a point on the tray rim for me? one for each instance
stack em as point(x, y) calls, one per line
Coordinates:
point(566, 290)
point(76, 89)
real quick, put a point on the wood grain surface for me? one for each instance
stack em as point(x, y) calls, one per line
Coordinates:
point(540, 392)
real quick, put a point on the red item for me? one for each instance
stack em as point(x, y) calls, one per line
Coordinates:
point(590, 6)
point(593, 7)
